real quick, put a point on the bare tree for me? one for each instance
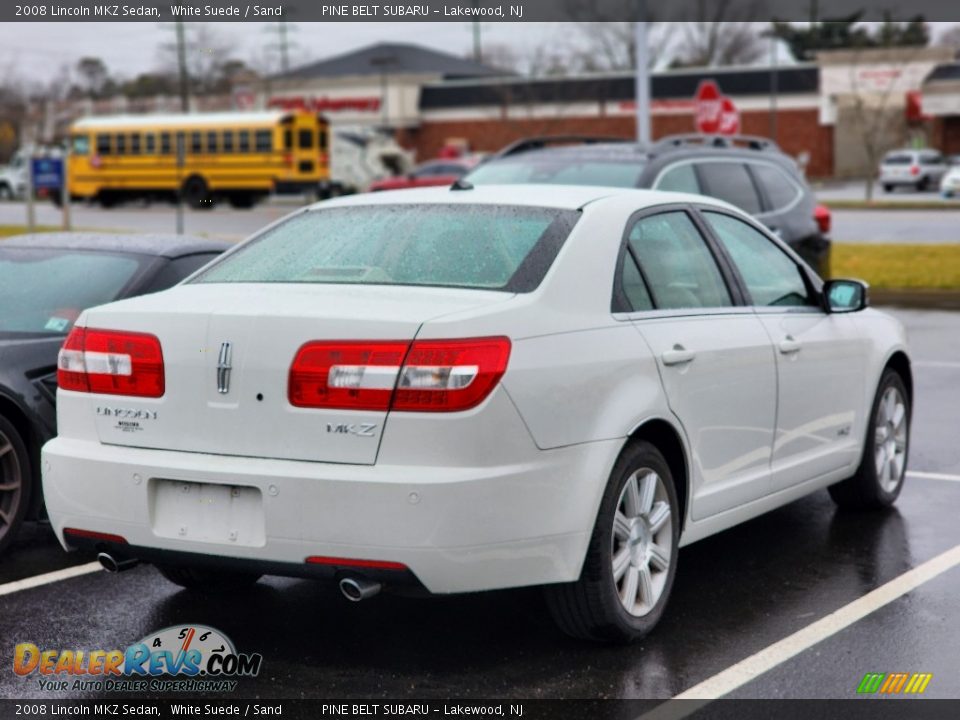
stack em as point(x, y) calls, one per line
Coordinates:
point(713, 43)
point(94, 74)
point(951, 39)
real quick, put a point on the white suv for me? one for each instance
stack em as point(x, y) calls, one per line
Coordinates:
point(919, 169)
point(470, 389)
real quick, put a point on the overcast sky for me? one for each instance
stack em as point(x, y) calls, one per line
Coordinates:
point(39, 50)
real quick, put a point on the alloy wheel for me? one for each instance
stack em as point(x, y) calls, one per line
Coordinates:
point(642, 542)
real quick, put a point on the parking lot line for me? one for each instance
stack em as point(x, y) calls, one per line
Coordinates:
point(50, 577)
point(757, 664)
point(933, 476)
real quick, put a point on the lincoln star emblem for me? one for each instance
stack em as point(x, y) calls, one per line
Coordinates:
point(223, 369)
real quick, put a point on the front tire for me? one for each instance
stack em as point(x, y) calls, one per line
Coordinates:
point(879, 479)
point(632, 558)
point(15, 482)
point(207, 580)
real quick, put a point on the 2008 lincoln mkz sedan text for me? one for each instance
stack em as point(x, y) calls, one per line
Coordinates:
point(475, 388)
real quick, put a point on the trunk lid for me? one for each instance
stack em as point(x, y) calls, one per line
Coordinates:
point(256, 330)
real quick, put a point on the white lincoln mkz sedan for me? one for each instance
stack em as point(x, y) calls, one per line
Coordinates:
point(470, 389)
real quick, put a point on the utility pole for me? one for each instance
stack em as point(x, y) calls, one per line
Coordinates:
point(182, 67)
point(477, 51)
point(283, 43)
point(642, 76)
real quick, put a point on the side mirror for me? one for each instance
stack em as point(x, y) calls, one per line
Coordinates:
point(843, 296)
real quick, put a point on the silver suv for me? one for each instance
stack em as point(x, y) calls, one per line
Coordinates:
point(919, 169)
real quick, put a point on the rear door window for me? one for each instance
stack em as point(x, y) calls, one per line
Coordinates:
point(677, 263)
point(780, 190)
point(730, 181)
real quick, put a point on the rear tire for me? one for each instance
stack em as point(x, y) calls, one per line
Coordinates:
point(196, 193)
point(6, 192)
point(16, 482)
point(242, 201)
point(631, 561)
point(207, 580)
point(879, 479)
point(888, 188)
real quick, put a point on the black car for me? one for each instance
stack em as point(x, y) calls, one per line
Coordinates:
point(46, 281)
point(749, 172)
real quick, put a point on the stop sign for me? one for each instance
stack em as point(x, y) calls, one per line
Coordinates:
point(715, 113)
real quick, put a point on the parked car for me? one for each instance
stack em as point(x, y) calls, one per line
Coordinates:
point(434, 173)
point(749, 172)
point(13, 177)
point(471, 389)
point(919, 169)
point(46, 281)
point(950, 183)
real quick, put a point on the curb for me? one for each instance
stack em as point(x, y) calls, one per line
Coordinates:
point(917, 299)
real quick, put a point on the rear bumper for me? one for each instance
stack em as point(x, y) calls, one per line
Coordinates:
point(456, 529)
point(294, 187)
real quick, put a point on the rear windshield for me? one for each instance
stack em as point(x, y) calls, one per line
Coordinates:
point(558, 171)
point(44, 290)
point(471, 246)
point(898, 159)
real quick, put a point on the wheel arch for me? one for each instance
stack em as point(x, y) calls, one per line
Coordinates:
point(669, 441)
point(899, 362)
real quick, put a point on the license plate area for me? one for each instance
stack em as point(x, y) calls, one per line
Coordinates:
point(207, 512)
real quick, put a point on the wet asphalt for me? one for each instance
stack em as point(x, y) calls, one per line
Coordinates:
point(736, 593)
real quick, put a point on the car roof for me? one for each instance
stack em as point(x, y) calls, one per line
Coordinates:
point(569, 197)
point(631, 152)
point(169, 246)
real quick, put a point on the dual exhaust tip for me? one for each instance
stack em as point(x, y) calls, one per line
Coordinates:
point(353, 589)
point(356, 589)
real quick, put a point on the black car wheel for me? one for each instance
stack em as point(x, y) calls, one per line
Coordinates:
point(632, 558)
point(15, 482)
point(196, 193)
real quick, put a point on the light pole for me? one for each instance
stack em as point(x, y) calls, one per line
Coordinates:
point(642, 76)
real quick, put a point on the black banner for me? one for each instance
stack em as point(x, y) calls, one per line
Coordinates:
point(466, 10)
point(853, 709)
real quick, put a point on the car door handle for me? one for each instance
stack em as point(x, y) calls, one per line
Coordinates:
point(789, 345)
point(677, 356)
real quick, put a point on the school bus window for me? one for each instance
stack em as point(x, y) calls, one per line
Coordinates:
point(228, 141)
point(80, 145)
point(263, 143)
point(120, 143)
point(288, 139)
point(211, 142)
point(244, 139)
point(134, 144)
point(165, 146)
point(150, 143)
point(103, 144)
point(196, 142)
point(305, 139)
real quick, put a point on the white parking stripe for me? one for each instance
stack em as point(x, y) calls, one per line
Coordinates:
point(933, 476)
point(770, 657)
point(50, 577)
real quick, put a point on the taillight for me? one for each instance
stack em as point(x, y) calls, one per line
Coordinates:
point(449, 375)
point(111, 362)
point(821, 214)
point(914, 169)
point(345, 375)
point(288, 159)
point(425, 376)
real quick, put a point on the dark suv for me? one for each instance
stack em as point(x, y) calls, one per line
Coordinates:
point(749, 172)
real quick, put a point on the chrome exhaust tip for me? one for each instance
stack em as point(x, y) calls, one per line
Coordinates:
point(115, 565)
point(356, 589)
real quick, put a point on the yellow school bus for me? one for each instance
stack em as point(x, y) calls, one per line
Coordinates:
point(239, 157)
